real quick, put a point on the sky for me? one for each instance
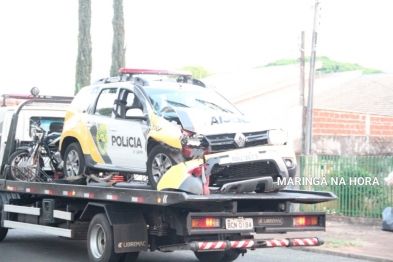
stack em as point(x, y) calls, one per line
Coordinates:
point(38, 43)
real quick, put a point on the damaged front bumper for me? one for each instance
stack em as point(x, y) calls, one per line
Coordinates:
point(259, 169)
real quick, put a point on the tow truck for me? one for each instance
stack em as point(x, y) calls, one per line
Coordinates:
point(121, 221)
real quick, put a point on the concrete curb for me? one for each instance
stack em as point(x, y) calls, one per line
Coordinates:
point(355, 220)
point(342, 254)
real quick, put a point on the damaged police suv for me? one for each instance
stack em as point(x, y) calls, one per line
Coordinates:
point(149, 121)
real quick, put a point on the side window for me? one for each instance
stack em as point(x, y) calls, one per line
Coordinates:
point(133, 107)
point(82, 100)
point(130, 100)
point(105, 102)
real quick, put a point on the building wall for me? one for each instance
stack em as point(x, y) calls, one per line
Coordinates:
point(350, 133)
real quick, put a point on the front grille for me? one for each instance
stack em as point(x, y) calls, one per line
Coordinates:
point(216, 148)
point(225, 142)
point(256, 143)
point(225, 174)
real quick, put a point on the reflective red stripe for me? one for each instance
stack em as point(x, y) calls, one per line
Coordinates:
point(88, 195)
point(272, 243)
point(218, 245)
point(111, 197)
point(254, 244)
point(234, 243)
point(202, 245)
point(305, 242)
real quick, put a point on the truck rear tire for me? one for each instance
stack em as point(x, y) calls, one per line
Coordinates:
point(100, 243)
point(74, 163)
point(4, 197)
point(129, 257)
point(3, 233)
point(230, 255)
point(159, 162)
point(209, 256)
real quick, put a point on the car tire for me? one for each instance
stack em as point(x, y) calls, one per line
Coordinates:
point(74, 163)
point(159, 162)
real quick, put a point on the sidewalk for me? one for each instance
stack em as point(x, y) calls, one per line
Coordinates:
point(349, 240)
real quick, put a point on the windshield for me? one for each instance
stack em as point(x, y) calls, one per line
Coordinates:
point(161, 98)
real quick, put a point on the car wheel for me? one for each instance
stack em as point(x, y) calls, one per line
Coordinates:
point(159, 162)
point(74, 163)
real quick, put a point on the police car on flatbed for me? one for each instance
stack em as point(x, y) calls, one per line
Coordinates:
point(143, 125)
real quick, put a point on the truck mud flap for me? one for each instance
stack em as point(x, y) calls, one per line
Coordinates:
point(204, 246)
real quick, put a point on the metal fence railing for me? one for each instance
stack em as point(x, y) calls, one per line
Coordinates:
point(358, 182)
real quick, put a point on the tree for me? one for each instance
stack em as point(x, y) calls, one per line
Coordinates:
point(328, 66)
point(84, 59)
point(118, 48)
point(198, 72)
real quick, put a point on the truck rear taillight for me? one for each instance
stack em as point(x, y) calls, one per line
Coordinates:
point(206, 222)
point(305, 221)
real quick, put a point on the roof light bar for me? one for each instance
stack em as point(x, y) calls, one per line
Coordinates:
point(28, 97)
point(132, 71)
point(20, 96)
point(17, 96)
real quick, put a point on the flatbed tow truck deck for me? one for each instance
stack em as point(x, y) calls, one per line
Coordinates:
point(140, 219)
point(120, 220)
point(142, 194)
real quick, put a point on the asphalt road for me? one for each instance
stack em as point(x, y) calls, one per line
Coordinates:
point(33, 247)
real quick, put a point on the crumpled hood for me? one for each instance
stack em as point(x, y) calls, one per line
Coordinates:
point(207, 122)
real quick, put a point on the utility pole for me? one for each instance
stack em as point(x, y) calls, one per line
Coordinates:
point(311, 82)
point(302, 88)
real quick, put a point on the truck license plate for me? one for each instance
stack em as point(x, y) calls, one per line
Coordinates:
point(239, 223)
point(243, 157)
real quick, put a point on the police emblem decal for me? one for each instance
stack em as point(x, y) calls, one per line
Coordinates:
point(102, 139)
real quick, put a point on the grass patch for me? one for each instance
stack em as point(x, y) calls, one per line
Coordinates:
point(334, 243)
